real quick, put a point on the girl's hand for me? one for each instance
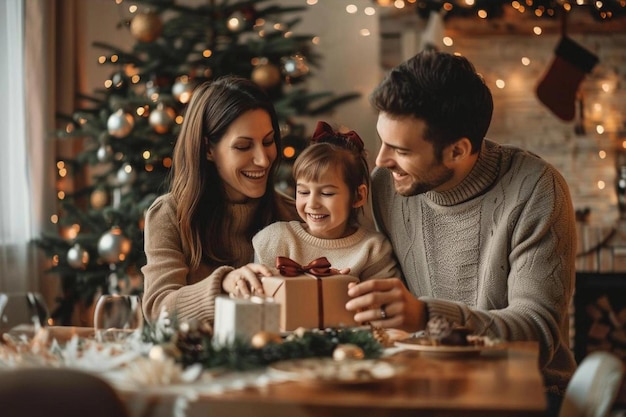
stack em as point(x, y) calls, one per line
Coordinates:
point(244, 281)
point(386, 303)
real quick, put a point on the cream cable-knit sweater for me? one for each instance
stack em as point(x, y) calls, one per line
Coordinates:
point(368, 254)
point(168, 281)
point(496, 253)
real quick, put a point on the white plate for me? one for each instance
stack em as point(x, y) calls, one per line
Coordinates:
point(327, 371)
point(415, 343)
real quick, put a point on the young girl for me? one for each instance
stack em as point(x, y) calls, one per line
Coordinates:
point(332, 182)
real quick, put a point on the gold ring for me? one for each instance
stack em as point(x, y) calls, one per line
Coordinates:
point(383, 313)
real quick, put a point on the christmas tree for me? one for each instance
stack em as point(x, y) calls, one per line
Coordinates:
point(129, 128)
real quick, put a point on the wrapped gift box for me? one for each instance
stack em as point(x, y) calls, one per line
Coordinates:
point(311, 302)
point(242, 318)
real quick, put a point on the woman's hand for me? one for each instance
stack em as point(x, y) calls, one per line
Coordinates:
point(386, 303)
point(245, 281)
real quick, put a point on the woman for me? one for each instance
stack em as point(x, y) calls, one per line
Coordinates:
point(198, 236)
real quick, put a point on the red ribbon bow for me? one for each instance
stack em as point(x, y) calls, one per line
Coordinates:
point(319, 267)
point(323, 132)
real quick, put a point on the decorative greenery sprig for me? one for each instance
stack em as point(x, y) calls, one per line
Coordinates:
point(193, 343)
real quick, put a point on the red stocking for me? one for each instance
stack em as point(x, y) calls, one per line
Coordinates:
point(557, 90)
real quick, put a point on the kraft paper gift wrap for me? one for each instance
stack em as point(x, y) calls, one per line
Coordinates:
point(242, 318)
point(308, 297)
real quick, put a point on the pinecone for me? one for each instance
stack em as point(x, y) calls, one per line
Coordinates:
point(192, 339)
point(381, 336)
point(438, 327)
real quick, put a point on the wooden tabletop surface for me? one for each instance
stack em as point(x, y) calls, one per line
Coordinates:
point(503, 382)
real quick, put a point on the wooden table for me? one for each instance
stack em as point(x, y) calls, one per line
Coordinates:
point(504, 382)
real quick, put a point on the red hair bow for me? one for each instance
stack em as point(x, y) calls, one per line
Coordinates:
point(319, 267)
point(323, 131)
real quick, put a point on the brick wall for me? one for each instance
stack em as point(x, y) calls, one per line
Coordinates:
point(521, 119)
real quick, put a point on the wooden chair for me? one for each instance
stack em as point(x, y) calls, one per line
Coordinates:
point(594, 386)
point(57, 392)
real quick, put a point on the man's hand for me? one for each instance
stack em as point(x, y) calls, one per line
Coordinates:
point(386, 303)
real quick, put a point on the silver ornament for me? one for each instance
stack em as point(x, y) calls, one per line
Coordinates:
point(113, 246)
point(295, 66)
point(104, 153)
point(120, 124)
point(77, 257)
point(182, 89)
point(162, 118)
point(126, 174)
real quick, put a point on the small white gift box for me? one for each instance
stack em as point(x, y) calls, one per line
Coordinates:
point(242, 318)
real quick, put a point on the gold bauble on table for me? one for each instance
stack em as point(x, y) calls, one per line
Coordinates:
point(266, 75)
point(146, 27)
point(263, 338)
point(163, 352)
point(347, 351)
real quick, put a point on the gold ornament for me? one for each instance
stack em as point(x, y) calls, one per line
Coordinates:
point(347, 351)
point(261, 339)
point(99, 198)
point(146, 27)
point(163, 352)
point(266, 75)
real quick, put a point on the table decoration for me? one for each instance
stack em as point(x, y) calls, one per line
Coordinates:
point(442, 351)
point(244, 317)
point(326, 371)
point(195, 343)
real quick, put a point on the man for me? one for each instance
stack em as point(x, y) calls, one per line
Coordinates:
point(484, 234)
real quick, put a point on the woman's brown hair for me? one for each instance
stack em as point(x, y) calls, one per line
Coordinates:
point(195, 183)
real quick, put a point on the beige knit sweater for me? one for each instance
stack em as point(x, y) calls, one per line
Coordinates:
point(367, 253)
point(168, 281)
point(496, 253)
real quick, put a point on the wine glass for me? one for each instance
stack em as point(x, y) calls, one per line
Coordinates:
point(23, 309)
point(117, 315)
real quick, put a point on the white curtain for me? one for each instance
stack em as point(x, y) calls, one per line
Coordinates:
point(26, 176)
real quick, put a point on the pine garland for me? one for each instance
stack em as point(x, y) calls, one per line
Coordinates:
point(192, 343)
